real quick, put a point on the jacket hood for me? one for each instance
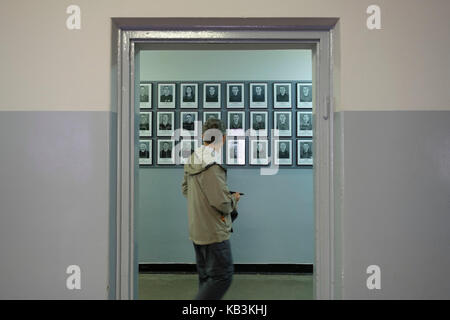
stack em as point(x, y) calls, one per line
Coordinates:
point(200, 159)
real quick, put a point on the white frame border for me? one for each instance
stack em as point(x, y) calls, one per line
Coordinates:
point(235, 105)
point(189, 105)
point(255, 105)
point(162, 133)
point(282, 105)
point(124, 63)
point(213, 105)
point(167, 105)
point(146, 105)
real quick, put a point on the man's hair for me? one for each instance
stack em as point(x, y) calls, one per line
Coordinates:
point(214, 126)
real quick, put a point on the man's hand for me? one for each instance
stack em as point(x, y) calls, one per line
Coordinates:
point(237, 196)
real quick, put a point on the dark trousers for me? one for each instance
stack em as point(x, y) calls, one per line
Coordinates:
point(215, 270)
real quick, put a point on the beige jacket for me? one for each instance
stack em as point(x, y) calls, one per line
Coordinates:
point(208, 198)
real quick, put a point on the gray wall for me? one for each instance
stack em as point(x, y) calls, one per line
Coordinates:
point(54, 203)
point(394, 205)
point(276, 221)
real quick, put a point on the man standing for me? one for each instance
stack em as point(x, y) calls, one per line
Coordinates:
point(209, 207)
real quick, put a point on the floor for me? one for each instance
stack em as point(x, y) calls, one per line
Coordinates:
point(244, 287)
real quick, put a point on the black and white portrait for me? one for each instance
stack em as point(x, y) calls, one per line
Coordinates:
point(236, 123)
point(304, 95)
point(282, 123)
point(166, 154)
point(145, 95)
point(166, 95)
point(235, 95)
point(188, 94)
point(259, 154)
point(188, 123)
point(283, 152)
point(211, 114)
point(145, 124)
point(258, 123)
point(166, 123)
point(187, 147)
point(258, 95)
point(282, 95)
point(211, 95)
point(145, 152)
point(304, 152)
point(236, 152)
point(304, 124)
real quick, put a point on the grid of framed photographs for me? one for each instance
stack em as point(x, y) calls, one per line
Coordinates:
point(171, 113)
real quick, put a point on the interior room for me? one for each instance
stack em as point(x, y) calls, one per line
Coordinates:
point(273, 241)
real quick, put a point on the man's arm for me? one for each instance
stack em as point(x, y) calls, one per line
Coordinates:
point(184, 186)
point(216, 190)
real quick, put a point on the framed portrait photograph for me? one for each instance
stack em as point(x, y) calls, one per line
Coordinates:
point(282, 95)
point(258, 95)
point(211, 95)
point(304, 124)
point(186, 148)
point(304, 95)
point(165, 123)
point(235, 95)
point(145, 96)
point(145, 124)
point(236, 123)
point(166, 95)
point(189, 95)
point(236, 152)
point(211, 114)
point(283, 152)
point(166, 151)
point(258, 123)
point(188, 123)
point(259, 152)
point(304, 152)
point(282, 123)
point(145, 151)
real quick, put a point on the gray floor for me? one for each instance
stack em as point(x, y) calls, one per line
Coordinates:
point(244, 287)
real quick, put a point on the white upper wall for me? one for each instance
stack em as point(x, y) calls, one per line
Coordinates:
point(221, 65)
point(403, 66)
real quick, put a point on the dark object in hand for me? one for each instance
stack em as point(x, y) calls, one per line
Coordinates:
point(234, 215)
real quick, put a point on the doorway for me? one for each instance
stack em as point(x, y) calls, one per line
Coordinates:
point(132, 42)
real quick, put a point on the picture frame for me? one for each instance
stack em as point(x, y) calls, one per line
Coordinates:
point(236, 123)
point(165, 123)
point(235, 95)
point(283, 152)
point(258, 95)
point(214, 114)
point(166, 151)
point(236, 152)
point(259, 152)
point(145, 96)
point(259, 121)
point(305, 154)
point(304, 124)
point(145, 124)
point(211, 95)
point(189, 123)
point(189, 95)
point(185, 150)
point(282, 123)
point(282, 95)
point(145, 152)
point(304, 95)
point(166, 96)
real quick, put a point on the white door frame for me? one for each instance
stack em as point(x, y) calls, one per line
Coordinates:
point(127, 134)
